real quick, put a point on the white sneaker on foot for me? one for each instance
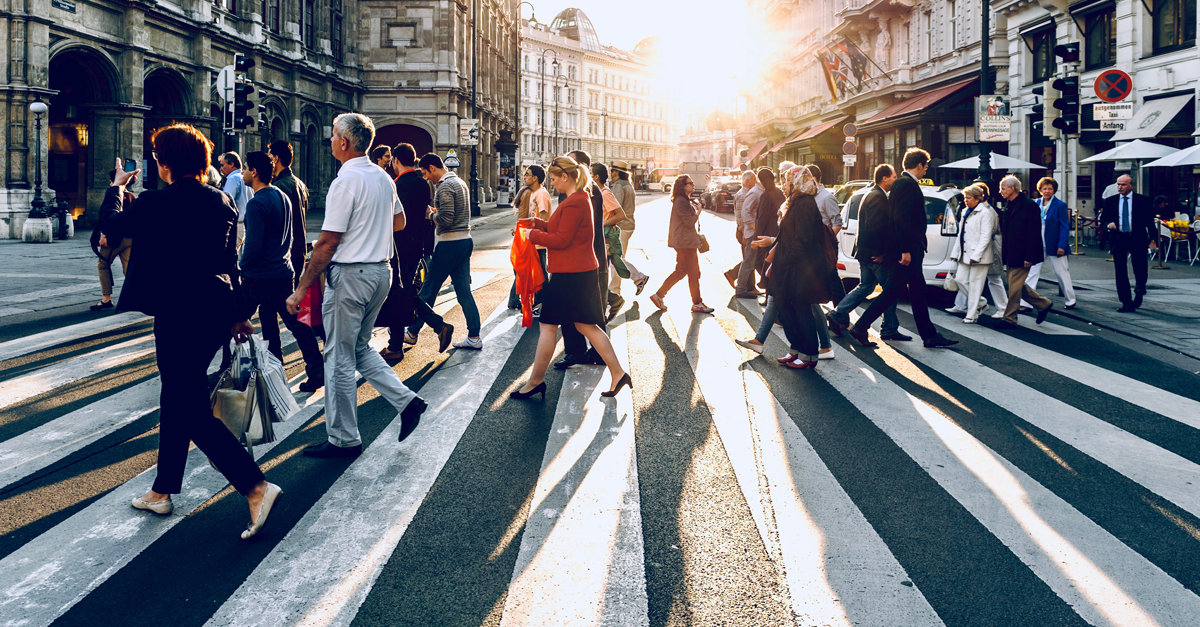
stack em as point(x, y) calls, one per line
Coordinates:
point(999, 314)
point(825, 355)
point(746, 344)
point(473, 344)
point(410, 338)
point(956, 310)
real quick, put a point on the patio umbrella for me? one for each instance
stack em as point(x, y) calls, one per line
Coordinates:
point(1186, 156)
point(999, 162)
point(1134, 150)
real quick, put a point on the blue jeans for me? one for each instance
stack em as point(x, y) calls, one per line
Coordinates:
point(771, 314)
point(870, 275)
point(451, 259)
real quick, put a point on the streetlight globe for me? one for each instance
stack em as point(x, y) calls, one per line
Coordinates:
point(38, 107)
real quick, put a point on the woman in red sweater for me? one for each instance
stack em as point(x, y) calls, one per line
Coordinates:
point(570, 296)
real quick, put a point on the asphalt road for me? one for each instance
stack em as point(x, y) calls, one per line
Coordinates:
point(1041, 476)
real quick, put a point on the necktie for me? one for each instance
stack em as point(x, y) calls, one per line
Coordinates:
point(1124, 214)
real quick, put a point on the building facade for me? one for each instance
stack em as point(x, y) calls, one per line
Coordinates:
point(551, 88)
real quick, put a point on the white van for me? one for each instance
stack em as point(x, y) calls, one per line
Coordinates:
point(939, 202)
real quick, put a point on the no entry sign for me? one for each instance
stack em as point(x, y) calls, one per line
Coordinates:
point(1113, 85)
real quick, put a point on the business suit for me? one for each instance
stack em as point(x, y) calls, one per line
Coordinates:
point(1130, 239)
point(874, 240)
point(1056, 226)
point(1021, 234)
point(194, 298)
point(907, 221)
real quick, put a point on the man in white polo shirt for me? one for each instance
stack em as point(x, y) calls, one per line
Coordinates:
point(361, 212)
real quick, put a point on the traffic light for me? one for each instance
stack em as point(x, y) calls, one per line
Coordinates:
point(262, 110)
point(1067, 104)
point(1069, 53)
point(242, 63)
point(243, 107)
point(1049, 114)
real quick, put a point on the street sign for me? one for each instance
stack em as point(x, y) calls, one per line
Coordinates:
point(851, 138)
point(1114, 111)
point(849, 130)
point(225, 81)
point(1113, 85)
point(1112, 125)
point(849, 148)
point(468, 132)
point(849, 159)
point(452, 160)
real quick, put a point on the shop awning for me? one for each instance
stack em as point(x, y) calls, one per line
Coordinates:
point(913, 105)
point(815, 131)
point(1152, 117)
point(754, 151)
point(789, 139)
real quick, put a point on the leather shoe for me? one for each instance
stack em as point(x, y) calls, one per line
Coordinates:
point(861, 335)
point(392, 355)
point(938, 341)
point(411, 416)
point(1126, 309)
point(835, 327)
point(328, 450)
point(568, 361)
point(312, 384)
point(896, 337)
point(444, 336)
point(1041, 315)
point(732, 278)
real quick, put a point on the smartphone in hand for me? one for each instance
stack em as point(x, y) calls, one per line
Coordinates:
point(130, 166)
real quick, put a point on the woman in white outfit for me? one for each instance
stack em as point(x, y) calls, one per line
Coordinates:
point(973, 249)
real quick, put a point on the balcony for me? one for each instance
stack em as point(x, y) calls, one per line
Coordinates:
point(860, 14)
point(784, 7)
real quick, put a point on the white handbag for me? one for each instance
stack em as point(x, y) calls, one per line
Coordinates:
point(951, 285)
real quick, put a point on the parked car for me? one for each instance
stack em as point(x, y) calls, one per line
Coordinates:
point(722, 199)
point(938, 203)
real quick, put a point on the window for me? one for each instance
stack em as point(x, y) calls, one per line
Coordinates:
point(929, 36)
point(571, 96)
point(228, 5)
point(571, 72)
point(335, 28)
point(526, 62)
point(557, 94)
point(1174, 24)
point(525, 88)
point(952, 8)
point(1101, 35)
point(1044, 60)
point(270, 15)
point(308, 18)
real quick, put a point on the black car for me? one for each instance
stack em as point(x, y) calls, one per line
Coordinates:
point(722, 199)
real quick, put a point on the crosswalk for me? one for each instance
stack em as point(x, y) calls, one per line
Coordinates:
point(1033, 477)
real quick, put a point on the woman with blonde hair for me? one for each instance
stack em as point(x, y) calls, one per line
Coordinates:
point(570, 296)
point(973, 248)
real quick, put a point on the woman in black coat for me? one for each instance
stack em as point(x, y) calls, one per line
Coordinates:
point(184, 272)
point(799, 269)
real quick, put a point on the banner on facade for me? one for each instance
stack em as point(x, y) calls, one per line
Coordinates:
point(468, 132)
point(993, 119)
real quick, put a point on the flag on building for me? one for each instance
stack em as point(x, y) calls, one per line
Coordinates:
point(858, 60)
point(835, 79)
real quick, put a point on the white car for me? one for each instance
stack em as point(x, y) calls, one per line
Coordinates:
point(937, 263)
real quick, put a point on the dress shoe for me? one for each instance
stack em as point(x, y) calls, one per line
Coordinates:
point(1025, 310)
point(102, 305)
point(392, 355)
point(896, 337)
point(411, 416)
point(861, 335)
point(327, 450)
point(788, 358)
point(1041, 315)
point(1126, 309)
point(1137, 301)
point(938, 341)
point(312, 384)
point(264, 509)
point(162, 508)
point(800, 364)
point(568, 361)
point(1071, 306)
point(537, 389)
point(835, 327)
point(444, 336)
point(732, 278)
point(624, 381)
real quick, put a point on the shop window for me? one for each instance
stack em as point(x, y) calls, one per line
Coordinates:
point(270, 13)
point(1101, 35)
point(962, 142)
point(307, 28)
point(335, 29)
point(1174, 24)
point(1044, 61)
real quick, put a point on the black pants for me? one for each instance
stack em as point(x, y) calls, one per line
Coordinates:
point(1126, 246)
point(184, 346)
point(269, 298)
point(896, 279)
point(408, 270)
point(799, 325)
point(573, 341)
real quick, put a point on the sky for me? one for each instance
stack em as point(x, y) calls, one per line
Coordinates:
point(702, 40)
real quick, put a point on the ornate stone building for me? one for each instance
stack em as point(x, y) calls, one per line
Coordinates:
point(112, 72)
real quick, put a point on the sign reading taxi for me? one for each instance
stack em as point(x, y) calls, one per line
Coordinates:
point(1112, 111)
point(1113, 85)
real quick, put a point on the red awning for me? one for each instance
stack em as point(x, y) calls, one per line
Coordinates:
point(755, 150)
point(790, 138)
point(912, 105)
point(813, 132)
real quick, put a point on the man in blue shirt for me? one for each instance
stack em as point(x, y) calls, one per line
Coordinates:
point(235, 186)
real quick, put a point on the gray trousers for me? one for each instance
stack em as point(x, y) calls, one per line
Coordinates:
point(745, 279)
point(354, 294)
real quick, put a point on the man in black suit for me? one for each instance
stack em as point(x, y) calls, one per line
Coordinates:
point(1021, 234)
point(873, 245)
point(1129, 219)
point(907, 252)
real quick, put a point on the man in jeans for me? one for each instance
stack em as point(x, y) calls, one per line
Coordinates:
point(267, 268)
point(871, 246)
point(361, 213)
point(452, 253)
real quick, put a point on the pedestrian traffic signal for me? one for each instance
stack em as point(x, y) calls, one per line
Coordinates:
point(1069, 53)
point(1067, 104)
point(1049, 114)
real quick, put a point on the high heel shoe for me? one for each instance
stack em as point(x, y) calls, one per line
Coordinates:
point(625, 380)
point(537, 389)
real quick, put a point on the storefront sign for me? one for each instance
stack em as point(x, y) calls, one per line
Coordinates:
point(993, 122)
point(468, 132)
point(1114, 111)
point(1112, 125)
point(1113, 85)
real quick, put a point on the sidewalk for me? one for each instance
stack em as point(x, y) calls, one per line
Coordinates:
point(1169, 316)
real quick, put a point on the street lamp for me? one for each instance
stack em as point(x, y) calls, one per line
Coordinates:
point(37, 225)
point(604, 118)
point(542, 118)
point(475, 211)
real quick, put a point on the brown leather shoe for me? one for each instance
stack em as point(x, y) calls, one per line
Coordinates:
point(392, 355)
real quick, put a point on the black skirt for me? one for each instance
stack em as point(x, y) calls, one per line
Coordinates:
point(570, 297)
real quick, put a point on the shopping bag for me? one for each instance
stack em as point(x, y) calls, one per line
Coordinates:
point(310, 304)
point(242, 404)
point(274, 379)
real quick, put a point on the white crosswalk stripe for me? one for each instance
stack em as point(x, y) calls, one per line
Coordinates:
point(579, 551)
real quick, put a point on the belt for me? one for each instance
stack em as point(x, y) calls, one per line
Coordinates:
point(359, 263)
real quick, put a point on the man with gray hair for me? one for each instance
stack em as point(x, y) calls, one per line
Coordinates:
point(1022, 236)
point(745, 214)
point(361, 212)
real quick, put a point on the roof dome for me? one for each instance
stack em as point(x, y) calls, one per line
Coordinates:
point(649, 46)
point(574, 24)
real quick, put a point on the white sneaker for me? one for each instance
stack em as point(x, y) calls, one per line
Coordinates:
point(999, 314)
point(956, 310)
point(476, 344)
point(758, 348)
point(410, 338)
point(826, 355)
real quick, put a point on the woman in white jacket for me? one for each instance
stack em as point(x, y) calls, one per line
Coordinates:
point(973, 248)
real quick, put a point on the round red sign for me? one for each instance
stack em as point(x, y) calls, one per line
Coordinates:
point(1113, 85)
point(849, 130)
point(849, 148)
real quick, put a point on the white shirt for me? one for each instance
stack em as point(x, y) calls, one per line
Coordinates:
point(360, 205)
point(241, 193)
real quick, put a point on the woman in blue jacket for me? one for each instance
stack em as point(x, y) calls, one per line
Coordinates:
point(1056, 225)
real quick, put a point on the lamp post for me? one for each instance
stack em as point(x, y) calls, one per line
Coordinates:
point(542, 117)
point(604, 118)
point(985, 154)
point(37, 226)
point(475, 211)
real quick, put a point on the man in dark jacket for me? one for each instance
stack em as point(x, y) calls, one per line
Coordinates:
point(297, 192)
point(874, 245)
point(574, 344)
point(1021, 231)
point(766, 219)
point(907, 253)
point(1129, 220)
